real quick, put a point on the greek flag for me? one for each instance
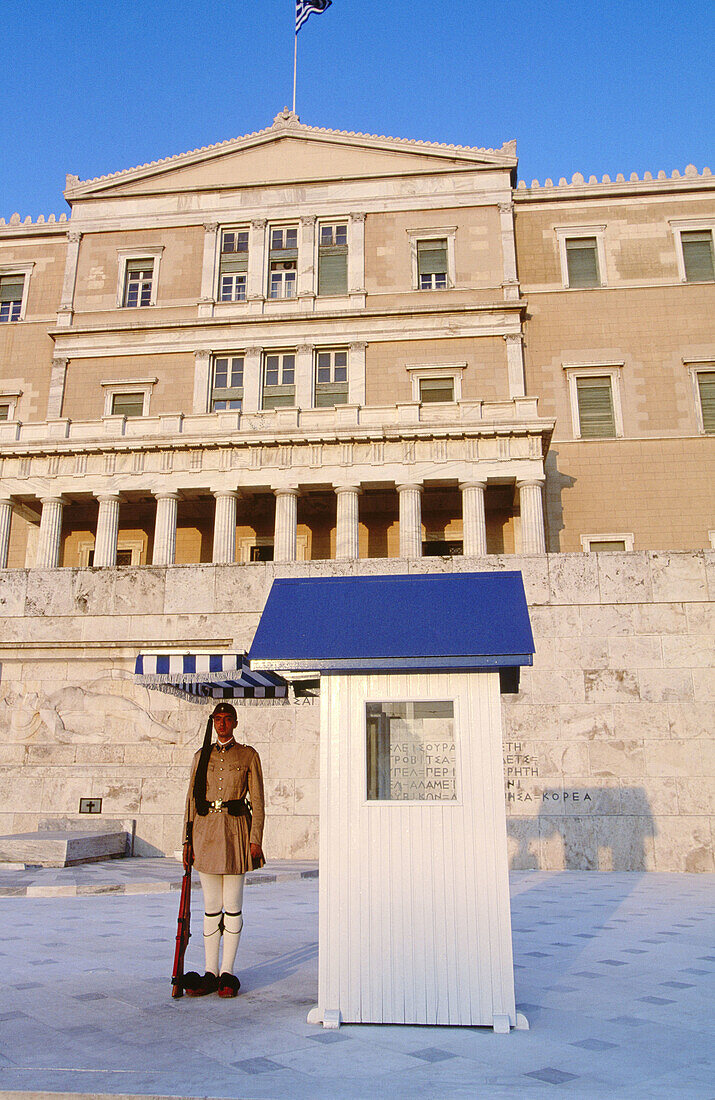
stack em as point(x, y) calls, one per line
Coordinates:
point(305, 8)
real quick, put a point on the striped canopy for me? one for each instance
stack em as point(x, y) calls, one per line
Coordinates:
point(199, 676)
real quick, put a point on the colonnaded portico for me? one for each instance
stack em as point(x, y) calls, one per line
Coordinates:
point(285, 484)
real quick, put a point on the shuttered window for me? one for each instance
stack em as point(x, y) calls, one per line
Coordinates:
point(595, 408)
point(137, 285)
point(128, 404)
point(279, 380)
point(227, 392)
point(233, 265)
point(436, 389)
point(432, 264)
point(698, 256)
point(11, 288)
point(333, 259)
point(706, 388)
point(331, 378)
point(582, 261)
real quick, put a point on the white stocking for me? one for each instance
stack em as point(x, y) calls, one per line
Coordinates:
point(212, 888)
point(233, 920)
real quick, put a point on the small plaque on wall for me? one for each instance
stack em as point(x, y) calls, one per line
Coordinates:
point(90, 805)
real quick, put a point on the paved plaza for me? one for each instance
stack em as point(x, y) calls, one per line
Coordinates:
point(614, 972)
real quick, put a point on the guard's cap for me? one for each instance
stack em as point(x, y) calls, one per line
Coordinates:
point(225, 708)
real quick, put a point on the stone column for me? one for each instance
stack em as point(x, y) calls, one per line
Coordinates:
point(533, 539)
point(356, 374)
point(356, 254)
point(66, 310)
point(5, 520)
point(207, 298)
point(224, 548)
point(105, 543)
point(510, 283)
point(165, 529)
point(304, 376)
point(474, 521)
point(255, 280)
point(410, 520)
point(202, 382)
point(48, 546)
point(251, 380)
point(285, 539)
point(306, 258)
point(56, 396)
point(347, 541)
point(515, 364)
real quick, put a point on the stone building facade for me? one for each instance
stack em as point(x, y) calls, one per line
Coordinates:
point(329, 350)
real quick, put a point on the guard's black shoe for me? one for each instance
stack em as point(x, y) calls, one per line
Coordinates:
point(200, 988)
point(228, 985)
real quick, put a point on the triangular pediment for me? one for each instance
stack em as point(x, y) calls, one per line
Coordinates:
point(290, 153)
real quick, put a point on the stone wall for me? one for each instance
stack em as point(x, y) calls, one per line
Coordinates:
point(608, 748)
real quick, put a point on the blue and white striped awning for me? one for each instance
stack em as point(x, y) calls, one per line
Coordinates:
point(199, 676)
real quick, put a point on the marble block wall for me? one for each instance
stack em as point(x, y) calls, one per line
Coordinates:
point(608, 751)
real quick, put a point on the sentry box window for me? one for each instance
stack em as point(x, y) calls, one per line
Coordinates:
point(90, 805)
point(411, 752)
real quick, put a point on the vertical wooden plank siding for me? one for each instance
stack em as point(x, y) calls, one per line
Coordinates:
point(415, 922)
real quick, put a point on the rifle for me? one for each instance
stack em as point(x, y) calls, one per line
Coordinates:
point(183, 930)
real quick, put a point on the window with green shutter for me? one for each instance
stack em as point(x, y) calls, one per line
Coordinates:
point(227, 390)
point(698, 255)
point(11, 288)
point(595, 408)
point(233, 265)
point(333, 259)
point(128, 404)
point(436, 389)
point(582, 261)
point(432, 264)
point(331, 378)
point(706, 389)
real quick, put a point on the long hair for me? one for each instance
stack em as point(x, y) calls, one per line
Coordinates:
point(202, 806)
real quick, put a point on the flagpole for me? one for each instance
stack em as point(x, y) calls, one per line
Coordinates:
point(295, 66)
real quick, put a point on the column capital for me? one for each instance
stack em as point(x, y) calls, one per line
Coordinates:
point(304, 349)
point(506, 207)
point(357, 345)
point(233, 493)
point(513, 338)
point(202, 354)
point(405, 486)
point(525, 483)
point(287, 491)
point(108, 495)
point(166, 494)
point(210, 227)
point(473, 483)
point(5, 501)
point(74, 236)
point(258, 223)
point(253, 351)
point(57, 499)
point(308, 220)
point(338, 489)
point(357, 216)
point(59, 361)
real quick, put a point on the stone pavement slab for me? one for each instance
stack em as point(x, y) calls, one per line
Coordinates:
point(130, 876)
point(615, 973)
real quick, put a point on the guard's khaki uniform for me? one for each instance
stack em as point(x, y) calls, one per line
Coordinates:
point(222, 841)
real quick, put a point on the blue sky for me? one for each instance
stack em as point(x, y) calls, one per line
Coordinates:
point(94, 86)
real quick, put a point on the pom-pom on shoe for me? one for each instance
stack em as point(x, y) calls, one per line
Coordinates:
point(228, 985)
point(200, 987)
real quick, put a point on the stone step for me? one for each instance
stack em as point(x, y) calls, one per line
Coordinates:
point(61, 848)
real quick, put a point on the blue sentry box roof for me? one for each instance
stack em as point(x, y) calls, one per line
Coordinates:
point(343, 624)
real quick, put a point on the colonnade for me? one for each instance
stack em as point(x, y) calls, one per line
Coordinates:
point(286, 523)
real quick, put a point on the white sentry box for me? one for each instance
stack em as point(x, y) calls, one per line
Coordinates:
point(415, 924)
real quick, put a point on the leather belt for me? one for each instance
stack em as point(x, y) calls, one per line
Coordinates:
point(235, 806)
point(217, 805)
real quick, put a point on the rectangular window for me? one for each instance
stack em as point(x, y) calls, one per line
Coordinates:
point(582, 261)
point(128, 404)
point(432, 264)
point(595, 408)
point(137, 283)
point(331, 378)
point(698, 255)
point(278, 380)
point(411, 751)
point(284, 239)
point(706, 391)
point(227, 390)
point(436, 389)
point(283, 276)
point(333, 259)
point(4, 412)
point(233, 265)
point(11, 288)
